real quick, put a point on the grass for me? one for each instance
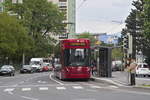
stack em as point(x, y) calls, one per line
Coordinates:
point(146, 85)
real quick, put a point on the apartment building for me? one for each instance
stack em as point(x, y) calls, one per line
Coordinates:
point(1, 6)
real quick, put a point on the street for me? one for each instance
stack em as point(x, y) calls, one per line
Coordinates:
point(45, 42)
point(122, 77)
point(44, 86)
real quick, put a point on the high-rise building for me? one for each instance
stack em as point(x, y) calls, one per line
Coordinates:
point(69, 8)
point(1, 6)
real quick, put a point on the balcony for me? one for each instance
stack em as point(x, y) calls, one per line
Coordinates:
point(62, 4)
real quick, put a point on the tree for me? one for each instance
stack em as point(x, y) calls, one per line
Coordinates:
point(134, 26)
point(147, 19)
point(13, 37)
point(138, 24)
point(117, 54)
point(88, 36)
point(146, 16)
point(39, 16)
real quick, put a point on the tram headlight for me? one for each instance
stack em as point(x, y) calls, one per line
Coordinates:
point(88, 70)
point(67, 70)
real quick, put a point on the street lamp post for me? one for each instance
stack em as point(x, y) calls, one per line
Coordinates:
point(7, 62)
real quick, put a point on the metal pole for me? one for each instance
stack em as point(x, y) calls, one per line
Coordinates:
point(23, 59)
point(130, 43)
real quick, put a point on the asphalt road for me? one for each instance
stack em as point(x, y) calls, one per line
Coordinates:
point(44, 86)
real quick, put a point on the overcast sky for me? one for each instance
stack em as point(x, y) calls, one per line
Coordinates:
point(99, 16)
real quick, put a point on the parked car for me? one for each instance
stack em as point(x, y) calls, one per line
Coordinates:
point(116, 65)
point(142, 69)
point(7, 70)
point(47, 67)
point(26, 69)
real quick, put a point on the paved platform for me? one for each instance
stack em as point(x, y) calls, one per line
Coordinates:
point(120, 78)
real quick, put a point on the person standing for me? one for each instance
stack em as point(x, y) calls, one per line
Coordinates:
point(93, 67)
point(132, 69)
point(127, 66)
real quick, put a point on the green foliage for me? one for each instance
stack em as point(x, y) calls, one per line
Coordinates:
point(41, 47)
point(138, 25)
point(134, 26)
point(131, 22)
point(39, 16)
point(146, 29)
point(106, 44)
point(88, 36)
point(13, 36)
point(134, 21)
point(147, 19)
point(56, 50)
point(117, 54)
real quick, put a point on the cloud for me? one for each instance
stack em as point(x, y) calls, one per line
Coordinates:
point(121, 3)
point(99, 27)
point(95, 15)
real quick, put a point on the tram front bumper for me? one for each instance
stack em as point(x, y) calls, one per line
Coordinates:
point(77, 76)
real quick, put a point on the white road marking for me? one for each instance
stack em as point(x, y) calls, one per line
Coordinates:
point(91, 90)
point(43, 88)
point(50, 76)
point(77, 87)
point(26, 89)
point(21, 82)
point(41, 81)
point(9, 90)
point(40, 85)
point(86, 83)
point(85, 99)
point(96, 87)
point(60, 88)
point(15, 85)
point(112, 86)
point(29, 98)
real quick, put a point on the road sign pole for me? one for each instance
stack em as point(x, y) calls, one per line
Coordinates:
point(130, 42)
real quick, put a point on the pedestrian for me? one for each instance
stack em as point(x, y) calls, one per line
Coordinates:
point(132, 70)
point(127, 65)
point(93, 66)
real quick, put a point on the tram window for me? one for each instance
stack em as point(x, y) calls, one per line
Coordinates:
point(76, 57)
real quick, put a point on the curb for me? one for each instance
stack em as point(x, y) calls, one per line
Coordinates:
point(117, 83)
point(140, 86)
point(108, 81)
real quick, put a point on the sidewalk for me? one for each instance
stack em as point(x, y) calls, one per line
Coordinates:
point(120, 78)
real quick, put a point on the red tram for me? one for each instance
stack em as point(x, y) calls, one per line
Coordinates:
point(75, 59)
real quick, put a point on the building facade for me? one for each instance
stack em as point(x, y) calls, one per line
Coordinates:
point(1, 6)
point(69, 9)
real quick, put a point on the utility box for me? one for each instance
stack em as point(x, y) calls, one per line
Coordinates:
point(105, 62)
